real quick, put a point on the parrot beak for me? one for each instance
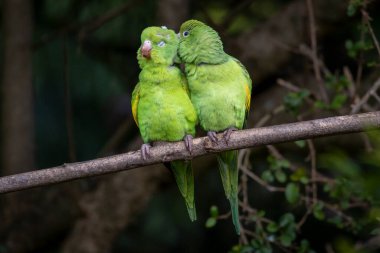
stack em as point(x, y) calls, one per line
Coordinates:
point(146, 48)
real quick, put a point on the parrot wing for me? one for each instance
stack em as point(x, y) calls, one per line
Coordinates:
point(247, 87)
point(185, 84)
point(135, 102)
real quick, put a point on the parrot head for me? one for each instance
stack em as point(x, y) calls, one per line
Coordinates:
point(199, 43)
point(158, 46)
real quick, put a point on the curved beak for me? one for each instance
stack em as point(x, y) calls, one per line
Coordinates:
point(146, 48)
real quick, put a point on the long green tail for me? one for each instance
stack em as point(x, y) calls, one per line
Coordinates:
point(183, 174)
point(229, 172)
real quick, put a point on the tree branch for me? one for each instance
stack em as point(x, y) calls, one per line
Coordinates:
point(202, 146)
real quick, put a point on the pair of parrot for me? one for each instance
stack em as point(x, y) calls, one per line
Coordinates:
point(167, 104)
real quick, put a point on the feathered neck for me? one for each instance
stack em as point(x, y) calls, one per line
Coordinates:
point(207, 49)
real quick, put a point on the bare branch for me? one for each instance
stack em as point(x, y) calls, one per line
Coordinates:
point(314, 48)
point(313, 159)
point(177, 151)
point(367, 20)
point(356, 108)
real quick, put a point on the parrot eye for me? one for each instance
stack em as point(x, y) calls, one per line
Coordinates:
point(161, 43)
point(186, 33)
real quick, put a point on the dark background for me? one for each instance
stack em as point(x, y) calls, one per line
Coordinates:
point(68, 68)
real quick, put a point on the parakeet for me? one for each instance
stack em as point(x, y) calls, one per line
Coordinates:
point(220, 90)
point(161, 105)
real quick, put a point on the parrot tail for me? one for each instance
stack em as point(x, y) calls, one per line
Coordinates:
point(228, 168)
point(183, 174)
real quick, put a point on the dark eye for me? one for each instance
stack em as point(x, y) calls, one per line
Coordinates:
point(161, 44)
point(186, 33)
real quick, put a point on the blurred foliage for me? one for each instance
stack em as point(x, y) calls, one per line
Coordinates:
point(102, 70)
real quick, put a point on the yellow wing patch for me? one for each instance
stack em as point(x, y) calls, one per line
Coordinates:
point(135, 103)
point(247, 97)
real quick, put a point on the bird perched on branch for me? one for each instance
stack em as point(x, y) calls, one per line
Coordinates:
point(161, 106)
point(220, 90)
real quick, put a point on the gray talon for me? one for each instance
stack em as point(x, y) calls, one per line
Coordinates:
point(212, 136)
point(227, 134)
point(145, 151)
point(188, 142)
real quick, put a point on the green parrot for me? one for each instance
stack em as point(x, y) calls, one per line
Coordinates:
point(161, 105)
point(220, 89)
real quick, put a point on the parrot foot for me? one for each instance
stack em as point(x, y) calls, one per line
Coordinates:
point(212, 136)
point(227, 134)
point(145, 151)
point(188, 142)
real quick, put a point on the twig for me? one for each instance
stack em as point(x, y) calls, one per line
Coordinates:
point(97, 22)
point(295, 88)
point(68, 106)
point(313, 159)
point(367, 143)
point(270, 115)
point(308, 52)
point(257, 179)
point(359, 71)
point(374, 94)
point(367, 21)
point(314, 47)
point(304, 218)
point(329, 248)
point(117, 137)
point(288, 85)
point(224, 216)
point(232, 14)
point(243, 237)
point(243, 162)
point(88, 26)
point(356, 108)
point(177, 151)
point(351, 87)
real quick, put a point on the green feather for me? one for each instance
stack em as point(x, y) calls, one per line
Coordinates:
point(220, 89)
point(229, 173)
point(161, 104)
point(183, 174)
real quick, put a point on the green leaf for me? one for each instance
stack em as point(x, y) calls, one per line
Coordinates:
point(305, 247)
point(275, 164)
point(376, 231)
point(210, 222)
point(272, 227)
point(338, 101)
point(292, 193)
point(318, 211)
point(351, 10)
point(286, 220)
point(320, 104)
point(294, 100)
point(214, 211)
point(261, 213)
point(286, 239)
point(280, 176)
point(337, 221)
point(282, 163)
point(267, 176)
point(300, 143)
point(298, 174)
point(304, 180)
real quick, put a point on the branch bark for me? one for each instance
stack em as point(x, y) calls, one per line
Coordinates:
point(176, 150)
point(17, 117)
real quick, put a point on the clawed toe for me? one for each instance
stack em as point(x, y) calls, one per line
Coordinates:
point(188, 142)
point(145, 151)
point(212, 136)
point(227, 134)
